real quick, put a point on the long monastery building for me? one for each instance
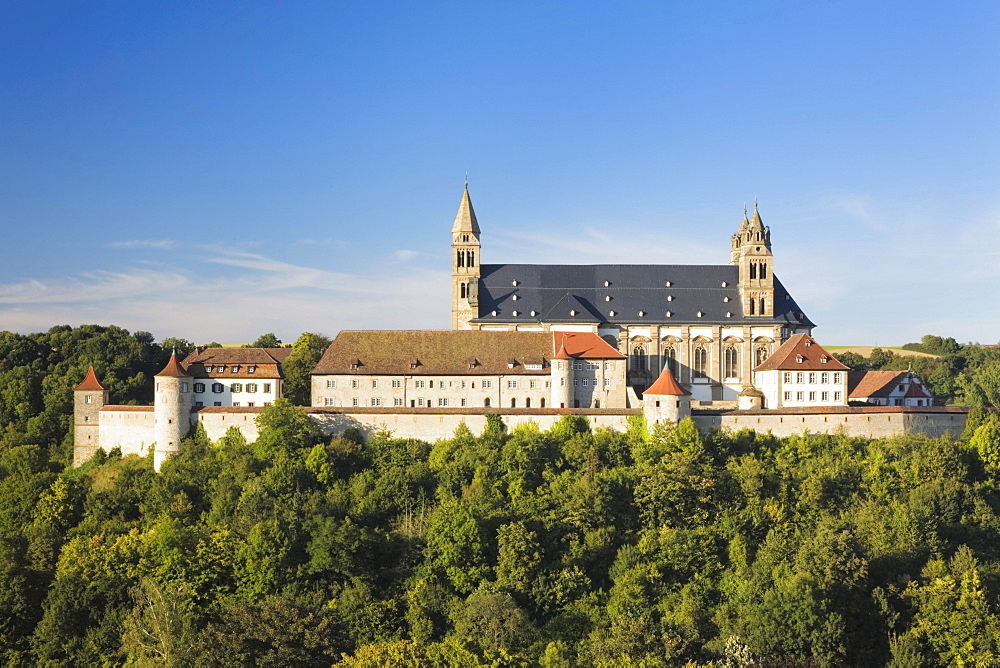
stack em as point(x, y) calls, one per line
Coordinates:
point(724, 344)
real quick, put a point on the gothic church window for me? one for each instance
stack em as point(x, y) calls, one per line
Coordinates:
point(700, 362)
point(639, 358)
point(732, 362)
point(670, 359)
point(760, 355)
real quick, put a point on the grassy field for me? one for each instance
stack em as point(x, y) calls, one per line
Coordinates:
point(865, 351)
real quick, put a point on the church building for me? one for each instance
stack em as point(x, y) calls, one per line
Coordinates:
point(710, 325)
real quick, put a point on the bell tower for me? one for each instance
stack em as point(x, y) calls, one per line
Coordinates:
point(751, 252)
point(464, 264)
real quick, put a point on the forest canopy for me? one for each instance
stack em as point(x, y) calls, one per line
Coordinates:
point(511, 547)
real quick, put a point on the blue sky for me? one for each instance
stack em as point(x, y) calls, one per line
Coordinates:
point(214, 171)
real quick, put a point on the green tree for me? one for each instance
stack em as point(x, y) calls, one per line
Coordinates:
point(306, 352)
point(268, 340)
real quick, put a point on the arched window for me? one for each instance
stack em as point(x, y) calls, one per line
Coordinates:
point(463, 291)
point(760, 355)
point(527, 402)
point(753, 306)
point(701, 362)
point(731, 360)
point(513, 403)
point(472, 258)
point(670, 359)
point(639, 358)
point(486, 402)
point(762, 311)
point(753, 270)
point(543, 402)
point(763, 270)
point(460, 260)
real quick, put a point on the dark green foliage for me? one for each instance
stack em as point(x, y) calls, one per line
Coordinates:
point(511, 547)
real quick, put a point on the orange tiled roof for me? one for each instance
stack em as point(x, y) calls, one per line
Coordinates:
point(90, 381)
point(266, 362)
point(584, 345)
point(801, 353)
point(864, 384)
point(666, 385)
point(173, 368)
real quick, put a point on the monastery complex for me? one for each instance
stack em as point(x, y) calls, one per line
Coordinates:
point(724, 344)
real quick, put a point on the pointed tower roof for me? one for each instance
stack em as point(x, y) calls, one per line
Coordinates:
point(465, 220)
point(756, 224)
point(562, 354)
point(666, 385)
point(90, 382)
point(173, 368)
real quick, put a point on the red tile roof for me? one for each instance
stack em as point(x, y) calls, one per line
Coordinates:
point(864, 384)
point(917, 390)
point(801, 353)
point(90, 382)
point(266, 362)
point(173, 368)
point(584, 345)
point(666, 384)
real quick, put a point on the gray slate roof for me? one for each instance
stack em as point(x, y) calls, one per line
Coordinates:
point(552, 291)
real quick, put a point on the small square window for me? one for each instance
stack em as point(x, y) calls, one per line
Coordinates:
point(267, 387)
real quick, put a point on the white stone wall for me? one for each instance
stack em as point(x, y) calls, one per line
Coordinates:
point(268, 389)
point(131, 430)
point(797, 389)
point(431, 391)
point(862, 424)
point(217, 424)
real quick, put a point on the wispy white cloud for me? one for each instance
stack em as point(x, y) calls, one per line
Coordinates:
point(91, 287)
point(406, 255)
point(155, 244)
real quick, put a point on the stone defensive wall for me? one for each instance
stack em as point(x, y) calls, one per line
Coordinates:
point(433, 424)
point(866, 421)
point(218, 419)
point(127, 427)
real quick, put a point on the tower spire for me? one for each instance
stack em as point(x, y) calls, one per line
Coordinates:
point(465, 219)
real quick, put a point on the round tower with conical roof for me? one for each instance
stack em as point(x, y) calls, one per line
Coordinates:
point(562, 377)
point(173, 401)
point(89, 397)
point(665, 400)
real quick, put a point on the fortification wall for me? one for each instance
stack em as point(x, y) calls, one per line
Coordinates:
point(217, 424)
point(431, 426)
point(863, 422)
point(127, 427)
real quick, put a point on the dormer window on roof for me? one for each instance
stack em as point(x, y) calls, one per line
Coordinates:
point(514, 313)
point(799, 359)
point(494, 314)
point(234, 368)
point(670, 298)
point(220, 369)
point(668, 314)
point(725, 284)
point(607, 298)
point(514, 283)
point(473, 362)
point(355, 363)
point(699, 314)
point(251, 368)
point(607, 284)
point(823, 359)
point(642, 314)
point(728, 314)
point(533, 313)
point(513, 297)
point(572, 312)
point(725, 299)
point(808, 343)
point(511, 363)
point(611, 313)
point(414, 363)
point(668, 284)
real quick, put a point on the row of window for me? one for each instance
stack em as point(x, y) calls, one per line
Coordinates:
point(251, 404)
point(730, 359)
point(235, 368)
point(824, 396)
point(442, 402)
point(824, 377)
point(487, 384)
point(219, 388)
point(586, 382)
